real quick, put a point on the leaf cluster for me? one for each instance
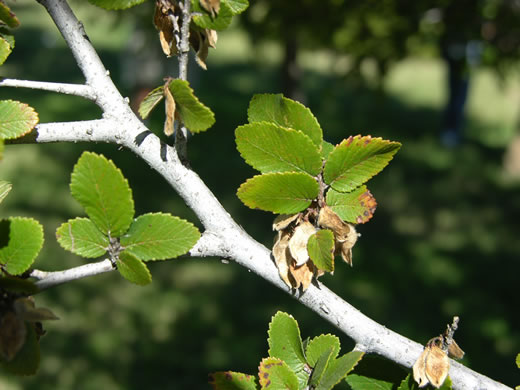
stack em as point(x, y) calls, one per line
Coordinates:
point(293, 364)
point(318, 188)
point(100, 187)
point(180, 104)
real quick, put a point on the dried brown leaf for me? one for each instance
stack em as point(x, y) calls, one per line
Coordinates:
point(212, 6)
point(344, 233)
point(302, 274)
point(455, 351)
point(169, 105)
point(282, 257)
point(212, 37)
point(298, 242)
point(433, 365)
point(282, 221)
point(163, 22)
point(12, 335)
point(26, 310)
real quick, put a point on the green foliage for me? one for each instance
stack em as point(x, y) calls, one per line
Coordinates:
point(321, 249)
point(16, 119)
point(195, 115)
point(153, 98)
point(133, 269)
point(150, 237)
point(285, 343)
point(356, 206)
point(288, 366)
point(5, 187)
point(271, 148)
point(82, 237)
point(116, 4)
point(409, 384)
point(319, 345)
point(357, 159)
point(230, 380)
point(220, 21)
point(274, 374)
point(282, 193)
point(7, 16)
point(24, 240)
point(5, 49)
point(105, 194)
point(285, 113)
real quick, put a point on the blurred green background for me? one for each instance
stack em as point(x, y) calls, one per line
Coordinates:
point(443, 242)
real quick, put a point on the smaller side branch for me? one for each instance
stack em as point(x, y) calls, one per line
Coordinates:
point(84, 91)
point(50, 279)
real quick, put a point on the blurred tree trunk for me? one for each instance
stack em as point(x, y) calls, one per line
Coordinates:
point(292, 73)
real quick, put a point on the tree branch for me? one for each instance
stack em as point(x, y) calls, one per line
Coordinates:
point(223, 236)
point(80, 90)
point(183, 47)
point(46, 280)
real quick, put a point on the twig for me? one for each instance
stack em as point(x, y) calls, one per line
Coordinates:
point(51, 279)
point(181, 132)
point(80, 90)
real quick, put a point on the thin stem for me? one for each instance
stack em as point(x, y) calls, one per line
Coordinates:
point(183, 46)
point(80, 90)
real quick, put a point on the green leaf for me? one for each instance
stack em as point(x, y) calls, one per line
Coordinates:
point(159, 236)
point(326, 148)
point(82, 237)
point(5, 49)
point(518, 360)
point(133, 269)
point(374, 372)
point(271, 148)
point(286, 113)
point(230, 380)
point(338, 369)
point(27, 360)
point(100, 187)
point(236, 6)
point(357, 206)
point(321, 365)
point(356, 159)
point(116, 4)
point(204, 20)
point(7, 16)
point(5, 187)
point(195, 115)
point(409, 384)
point(16, 119)
point(149, 102)
point(18, 285)
point(320, 344)
point(321, 249)
point(282, 193)
point(285, 343)
point(275, 374)
point(24, 243)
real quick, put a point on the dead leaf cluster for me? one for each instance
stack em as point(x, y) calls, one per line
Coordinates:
point(168, 20)
point(290, 247)
point(433, 364)
point(15, 316)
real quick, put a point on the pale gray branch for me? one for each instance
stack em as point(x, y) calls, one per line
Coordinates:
point(223, 237)
point(80, 90)
point(50, 279)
